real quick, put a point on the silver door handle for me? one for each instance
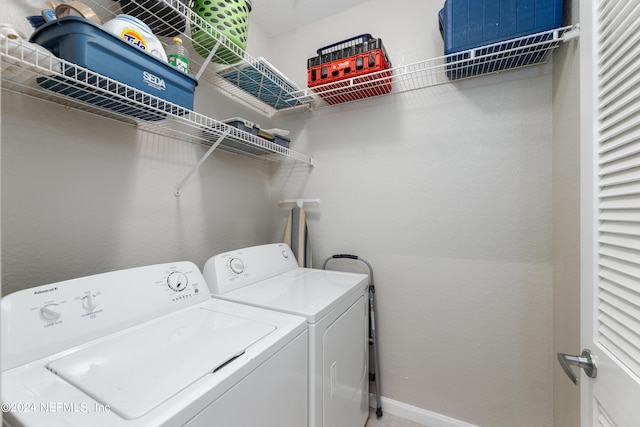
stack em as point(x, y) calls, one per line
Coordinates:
point(586, 361)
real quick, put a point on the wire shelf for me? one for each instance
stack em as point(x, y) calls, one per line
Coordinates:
point(29, 70)
point(262, 87)
point(251, 80)
point(511, 54)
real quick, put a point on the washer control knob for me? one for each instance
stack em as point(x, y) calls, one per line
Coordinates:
point(177, 281)
point(51, 312)
point(285, 254)
point(237, 266)
point(89, 301)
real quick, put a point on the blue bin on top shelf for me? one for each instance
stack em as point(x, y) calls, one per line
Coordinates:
point(468, 24)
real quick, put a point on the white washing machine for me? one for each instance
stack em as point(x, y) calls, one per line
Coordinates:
point(148, 347)
point(336, 307)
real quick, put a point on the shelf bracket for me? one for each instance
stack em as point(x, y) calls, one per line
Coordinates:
point(200, 162)
point(207, 61)
point(572, 33)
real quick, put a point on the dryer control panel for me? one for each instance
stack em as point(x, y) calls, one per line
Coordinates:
point(47, 319)
point(233, 270)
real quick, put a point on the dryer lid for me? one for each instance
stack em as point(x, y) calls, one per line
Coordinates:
point(140, 369)
point(307, 292)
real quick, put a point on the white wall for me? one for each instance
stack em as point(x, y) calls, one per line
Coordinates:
point(447, 192)
point(82, 195)
point(566, 224)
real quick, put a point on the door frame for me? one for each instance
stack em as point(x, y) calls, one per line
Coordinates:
point(588, 196)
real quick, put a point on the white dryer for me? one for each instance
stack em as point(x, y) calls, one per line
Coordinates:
point(336, 307)
point(148, 347)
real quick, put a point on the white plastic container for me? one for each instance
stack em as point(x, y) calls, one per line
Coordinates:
point(137, 33)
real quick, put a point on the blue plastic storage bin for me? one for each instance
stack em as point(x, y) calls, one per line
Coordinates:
point(466, 24)
point(88, 45)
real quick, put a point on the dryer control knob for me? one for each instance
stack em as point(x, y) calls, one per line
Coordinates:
point(89, 301)
point(177, 281)
point(237, 266)
point(50, 312)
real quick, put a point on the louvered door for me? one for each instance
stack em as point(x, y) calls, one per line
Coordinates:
point(610, 117)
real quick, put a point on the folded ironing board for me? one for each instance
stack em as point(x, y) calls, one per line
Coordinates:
point(296, 235)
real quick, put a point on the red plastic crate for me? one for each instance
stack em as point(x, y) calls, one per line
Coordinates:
point(344, 44)
point(354, 77)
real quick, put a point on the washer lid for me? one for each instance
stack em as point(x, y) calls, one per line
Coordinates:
point(142, 368)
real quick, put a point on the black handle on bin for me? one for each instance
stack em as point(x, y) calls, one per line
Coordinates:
point(364, 37)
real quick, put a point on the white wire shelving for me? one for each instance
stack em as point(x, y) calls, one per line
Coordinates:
point(507, 55)
point(35, 73)
point(250, 80)
point(261, 86)
point(32, 71)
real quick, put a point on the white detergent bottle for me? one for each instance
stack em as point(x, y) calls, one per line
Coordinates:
point(137, 33)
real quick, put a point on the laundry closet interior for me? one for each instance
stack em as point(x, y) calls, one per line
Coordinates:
point(462, 193)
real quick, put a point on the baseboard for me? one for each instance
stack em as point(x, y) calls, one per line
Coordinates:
point(415, 414)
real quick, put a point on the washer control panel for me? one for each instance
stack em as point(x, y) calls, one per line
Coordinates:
point(233, 270)
point(47, 319)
